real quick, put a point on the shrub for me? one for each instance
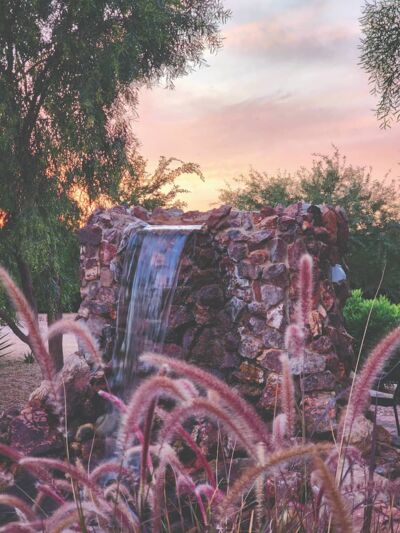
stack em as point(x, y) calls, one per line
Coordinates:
point(385, 315)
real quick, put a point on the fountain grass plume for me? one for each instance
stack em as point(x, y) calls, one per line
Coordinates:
point(279, 430)
point(37, 345)
point(141, 401)
point(372, 367)
point(110, 467)
point(56, 464)
point(81, 332)
point(275, 459)
point(288, 403)
point(49, 492)
point(114, 400)
point(20, 527)
point(238, 427)
point(339, 511)
point(294, 341)
point(17, 503)
point(305, 290)
point(68, 515)
point(227, 396)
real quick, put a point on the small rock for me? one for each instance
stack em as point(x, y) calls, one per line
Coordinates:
point(271, 294)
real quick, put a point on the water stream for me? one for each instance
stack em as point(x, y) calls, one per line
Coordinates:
point(149, 279)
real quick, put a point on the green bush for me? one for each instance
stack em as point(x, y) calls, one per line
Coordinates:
point(385, 316)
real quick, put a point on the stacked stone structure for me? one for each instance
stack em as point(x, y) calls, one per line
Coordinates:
point(236, 293)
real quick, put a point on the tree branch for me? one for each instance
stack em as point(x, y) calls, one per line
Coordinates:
point(13, 326)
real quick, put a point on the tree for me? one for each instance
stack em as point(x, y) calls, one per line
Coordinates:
point(372, 207)
point(380, 55)
point(64, 65)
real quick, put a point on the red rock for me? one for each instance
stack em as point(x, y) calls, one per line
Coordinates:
point(237, 250)
point(250, 347)
point(260, 237)
point(269, 222)
point(235, 308)
point(107, 252)
point(106, 277)
point(311, 364)
point(276, 274)
point(286, 223)
point(276, 317)
point(258, 257)
point(271, 294)
point(141, 212)
point(256, 286)
point(90, 234)
point(267, 211)
point(32, 433)
point(322, 345)
point(217, 216)
point(292, 210)
point(272, 338)
point(320, 412)
point(319, 381)
point(327, 295)
point(246, 269)
point(210, 295)
point(270, 359)
point(270, 399)
point(251, 372)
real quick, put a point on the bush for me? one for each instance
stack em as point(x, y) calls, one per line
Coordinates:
point(385, 316)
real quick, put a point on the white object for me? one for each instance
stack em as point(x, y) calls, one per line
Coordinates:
point(337, 274)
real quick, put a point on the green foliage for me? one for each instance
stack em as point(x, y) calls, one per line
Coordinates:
point(372, 208)
point(5, 344)
point(66, 70)
point(385, 316)
point(380, 55)
point(29, 358)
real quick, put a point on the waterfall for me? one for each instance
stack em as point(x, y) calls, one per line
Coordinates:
point(148, 284)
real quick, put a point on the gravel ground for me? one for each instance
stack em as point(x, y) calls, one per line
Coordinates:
point(17, 378)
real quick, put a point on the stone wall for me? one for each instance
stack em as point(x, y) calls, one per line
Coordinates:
point(236, 293)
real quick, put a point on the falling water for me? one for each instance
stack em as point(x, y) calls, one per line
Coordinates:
point(148, 284)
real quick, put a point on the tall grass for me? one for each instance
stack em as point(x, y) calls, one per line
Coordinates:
point(149, 484)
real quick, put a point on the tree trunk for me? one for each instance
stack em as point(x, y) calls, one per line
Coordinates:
point(27, 283)
point(56, 343)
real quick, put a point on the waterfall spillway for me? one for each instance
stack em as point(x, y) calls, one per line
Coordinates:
point(148, 284)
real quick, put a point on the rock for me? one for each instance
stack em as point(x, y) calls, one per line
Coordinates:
point(260, 237)
point(258, 257)
point(237, 250)
point(268, 211)
point(271, 295)
point(268, 222)
point(322, 345)
point(327, 295)
point(277, 250)
point(247, 269)
point(141, 213)
point(251, 372)
point(270, 399)
point(276, 317)
point(210, 295)
point(319, 413)
point(250, 347)
point(73, 379)
point(272, 338)
point(311, 364)
point(92, 269)
point(287, 223)
point(235, 307)
point(319, 381)
point(276, 274)
point(216, 216)
point(106, 277)
point(258, 308)
point(107, 252)
point(90, 234)
point(270, 359)
point(33, 434)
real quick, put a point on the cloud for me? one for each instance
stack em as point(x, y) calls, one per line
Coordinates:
point(296, 34)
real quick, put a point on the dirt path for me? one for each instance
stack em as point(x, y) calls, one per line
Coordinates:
point(17, 378)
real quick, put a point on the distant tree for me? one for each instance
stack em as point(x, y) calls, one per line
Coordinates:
point(372, 206)
point(380, 55)
point(63, 67)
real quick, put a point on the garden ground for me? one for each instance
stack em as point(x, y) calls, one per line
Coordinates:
point(17, 378)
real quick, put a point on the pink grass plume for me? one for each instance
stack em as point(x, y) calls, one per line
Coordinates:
point(305, 289)
point(288, 403)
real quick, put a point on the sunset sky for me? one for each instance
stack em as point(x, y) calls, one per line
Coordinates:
point(286, 84)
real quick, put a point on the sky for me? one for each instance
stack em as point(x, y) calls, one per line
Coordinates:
point(285, 85)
